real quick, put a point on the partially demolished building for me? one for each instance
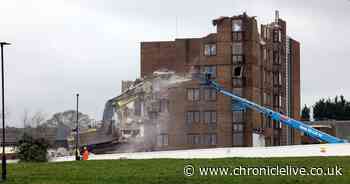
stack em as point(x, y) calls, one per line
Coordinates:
point(262, 66)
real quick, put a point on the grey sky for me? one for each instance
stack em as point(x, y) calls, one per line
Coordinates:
point(63, 47)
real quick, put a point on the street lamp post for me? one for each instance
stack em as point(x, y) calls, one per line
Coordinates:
point(77, 157)
point(4, 173)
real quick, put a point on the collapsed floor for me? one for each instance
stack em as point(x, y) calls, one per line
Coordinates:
point(140, 114)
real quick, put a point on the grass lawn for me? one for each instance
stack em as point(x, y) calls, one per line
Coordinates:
point(168, 171)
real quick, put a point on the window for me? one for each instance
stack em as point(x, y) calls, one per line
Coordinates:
point(237, 36)
point(268, 60)
point(237, 82)
point(237, 59)
point(237, 71)
point(210, 49)
point(276, 124)
point(275, 78)
point(193, 94)
point(192, 117)
point(280, 101)
point(238, 139)
point(269, 77)
point(237, 116)
point(209, 94)
point(277, 101)
point(237, 91)
point(194, 139)
point(267, 99)
point(279, 78)
point(237, 127)
point(277, 36)
point(237, 25)
point(163, 140)
point(209, 117)
point(266, 32)
point(210, 139)
point(268, 122)
point(264, 75)
point(209, 69)
point(276, 57)
point(264, 54)
point(237, 48)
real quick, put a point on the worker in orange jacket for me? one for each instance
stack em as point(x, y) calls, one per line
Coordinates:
point(86, 153)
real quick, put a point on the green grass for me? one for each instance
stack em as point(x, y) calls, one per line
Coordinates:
point(168, 171)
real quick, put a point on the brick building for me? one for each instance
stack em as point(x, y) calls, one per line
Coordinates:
point(263, 67)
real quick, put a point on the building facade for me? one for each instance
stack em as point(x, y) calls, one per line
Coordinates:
point(262, 67)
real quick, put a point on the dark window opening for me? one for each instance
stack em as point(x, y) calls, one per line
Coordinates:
point(237, 71)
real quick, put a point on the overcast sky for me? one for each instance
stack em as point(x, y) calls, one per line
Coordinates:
point(63, 47)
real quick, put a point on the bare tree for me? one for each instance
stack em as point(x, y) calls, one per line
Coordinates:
point(33, 120)
point(32, 123)
point(25, 119)
point(68, 118)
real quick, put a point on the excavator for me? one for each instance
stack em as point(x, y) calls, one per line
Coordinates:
point(206, 79)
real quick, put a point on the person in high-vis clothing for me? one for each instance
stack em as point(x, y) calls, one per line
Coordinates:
point(85, 154)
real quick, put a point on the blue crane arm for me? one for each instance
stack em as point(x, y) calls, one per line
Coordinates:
point(312, 132)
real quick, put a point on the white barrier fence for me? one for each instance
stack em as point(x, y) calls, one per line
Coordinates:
point(247, 152)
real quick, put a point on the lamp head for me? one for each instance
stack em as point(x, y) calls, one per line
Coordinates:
point(5, 43)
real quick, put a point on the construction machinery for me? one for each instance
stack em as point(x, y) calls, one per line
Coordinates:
point(276, 116)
